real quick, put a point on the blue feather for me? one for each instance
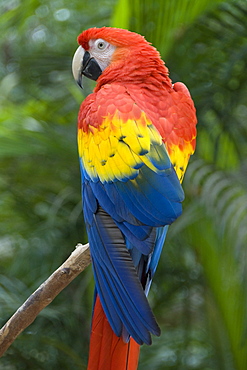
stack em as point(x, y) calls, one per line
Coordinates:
point(116, 280)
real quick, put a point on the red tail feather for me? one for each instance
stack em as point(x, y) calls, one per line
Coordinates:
point(107, 351)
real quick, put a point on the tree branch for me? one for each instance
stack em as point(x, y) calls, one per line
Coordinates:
point(44, 295)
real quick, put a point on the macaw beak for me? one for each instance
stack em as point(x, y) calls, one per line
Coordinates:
point(84, 64)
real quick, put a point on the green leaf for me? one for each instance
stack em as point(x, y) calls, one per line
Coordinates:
point(162, 22)
point(121, 15)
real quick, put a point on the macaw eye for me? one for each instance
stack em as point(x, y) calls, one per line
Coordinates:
point(101, 44)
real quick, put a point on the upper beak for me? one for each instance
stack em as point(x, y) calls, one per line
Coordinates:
point(84, 64)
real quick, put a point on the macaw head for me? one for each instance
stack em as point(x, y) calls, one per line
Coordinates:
point(115, 52)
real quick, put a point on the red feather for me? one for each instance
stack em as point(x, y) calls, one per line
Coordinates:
point(107, 351)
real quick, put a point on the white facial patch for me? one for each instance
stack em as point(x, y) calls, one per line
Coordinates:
point(102, 51)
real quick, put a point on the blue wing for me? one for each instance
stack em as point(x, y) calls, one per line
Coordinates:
point(127, 223)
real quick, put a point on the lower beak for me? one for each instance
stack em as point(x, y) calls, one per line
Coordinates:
point(84, 64)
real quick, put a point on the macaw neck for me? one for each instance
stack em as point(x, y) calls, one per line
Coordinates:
point(141, 66)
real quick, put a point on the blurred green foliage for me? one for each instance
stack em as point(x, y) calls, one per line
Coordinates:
point(199, 291)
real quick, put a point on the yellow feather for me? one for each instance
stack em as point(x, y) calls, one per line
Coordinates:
point(154, 135)
point(105, 149)
point(128, 156)
point(112, 150)
point(180, 158)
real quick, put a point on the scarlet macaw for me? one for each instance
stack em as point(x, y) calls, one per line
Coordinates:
point(136, 132)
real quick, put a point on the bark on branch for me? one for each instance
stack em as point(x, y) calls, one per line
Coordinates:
point(44, 295)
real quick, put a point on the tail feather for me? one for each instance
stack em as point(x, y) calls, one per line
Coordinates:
point(107, 351)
